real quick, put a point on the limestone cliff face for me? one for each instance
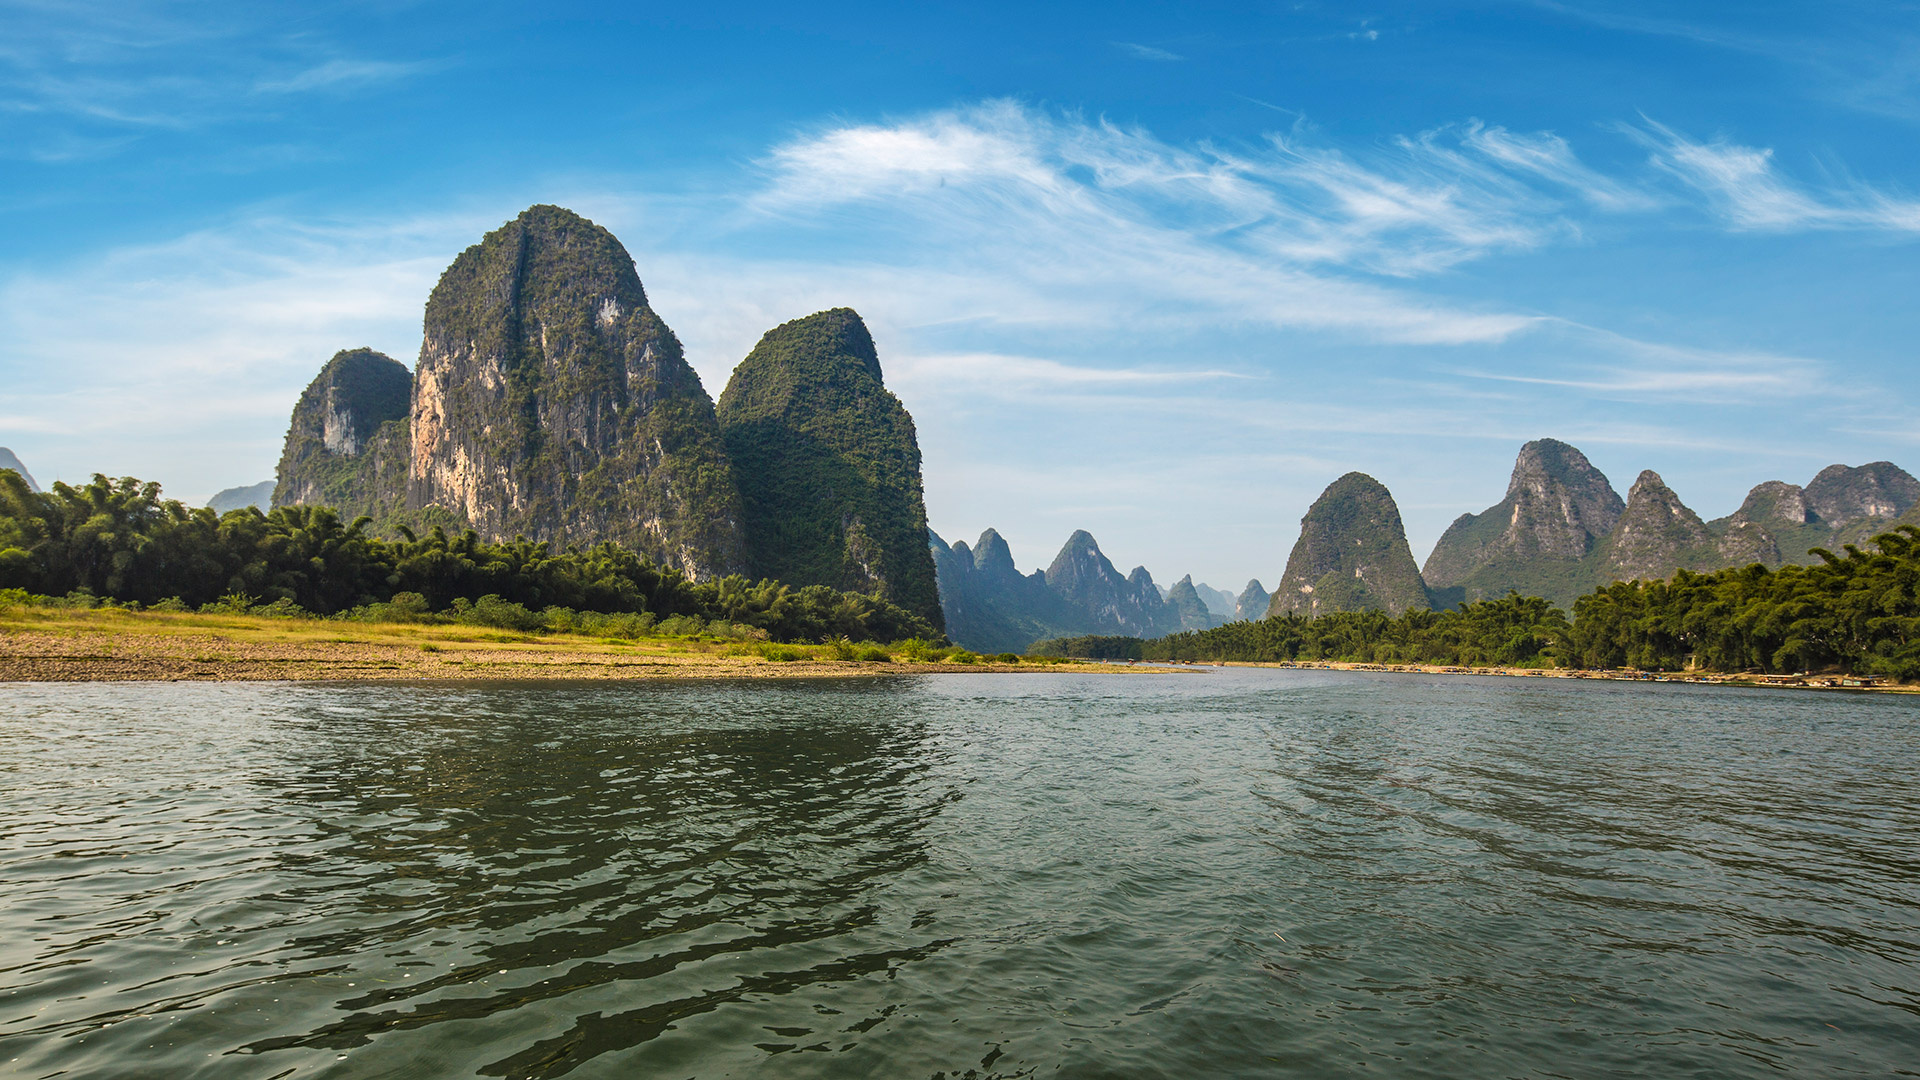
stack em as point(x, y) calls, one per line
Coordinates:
point(1841, 496)
point(1352, 555)
point(551, 401)
point(1253, 603)
point(346, 443)
point(828, 465)
point(1556, 510)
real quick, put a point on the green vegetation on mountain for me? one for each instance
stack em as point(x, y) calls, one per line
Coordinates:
point(346, 443)
point(1352, 555)
point(1185, 607)
point(828, 465)
point(1536, 540)
point(550, 401)
point(119, 540)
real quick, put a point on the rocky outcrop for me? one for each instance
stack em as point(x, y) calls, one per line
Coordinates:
point(1841, 496)
point(259, 496)
point(551, 401)
point(9, 461)
point(1253, 602)
point(1536, 539)
point(347, 443)
point(1352, 555)
point(828, 465)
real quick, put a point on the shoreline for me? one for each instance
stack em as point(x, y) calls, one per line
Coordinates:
point(1698, 678)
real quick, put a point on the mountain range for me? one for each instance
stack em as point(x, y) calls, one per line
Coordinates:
point(992, 607)
point(1562, 530)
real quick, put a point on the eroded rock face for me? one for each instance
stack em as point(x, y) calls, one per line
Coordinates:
point(1556, 510)
point(1655, 536)
point(828, 465)
point(550, 401)
point(1352, 555)
point(1842, 495)
point(346, 443)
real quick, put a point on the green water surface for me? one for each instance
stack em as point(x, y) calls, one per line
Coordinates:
point(1228, 873)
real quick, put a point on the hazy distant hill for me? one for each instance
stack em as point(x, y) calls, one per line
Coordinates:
point(9, 461)
point(991, 607)
point(258, 495)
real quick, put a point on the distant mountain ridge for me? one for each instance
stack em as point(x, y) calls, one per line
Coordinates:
point(990, 606)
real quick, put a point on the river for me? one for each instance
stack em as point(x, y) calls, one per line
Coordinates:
point(1221, 873)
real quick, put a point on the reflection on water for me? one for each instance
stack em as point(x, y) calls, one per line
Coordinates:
point(1236, 873)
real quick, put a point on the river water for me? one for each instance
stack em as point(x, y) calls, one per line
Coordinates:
point(1222, 873)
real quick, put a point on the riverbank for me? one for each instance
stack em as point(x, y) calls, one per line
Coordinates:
point(1797, 682)
point(106, 645)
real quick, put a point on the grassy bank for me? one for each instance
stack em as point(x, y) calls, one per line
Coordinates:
point(40, 643)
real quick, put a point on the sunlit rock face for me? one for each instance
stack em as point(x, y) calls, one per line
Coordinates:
point(550, 401)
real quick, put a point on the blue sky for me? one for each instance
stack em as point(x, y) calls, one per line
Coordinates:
point(1157, 271)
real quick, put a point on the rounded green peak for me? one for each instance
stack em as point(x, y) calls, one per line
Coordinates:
point(834, 337)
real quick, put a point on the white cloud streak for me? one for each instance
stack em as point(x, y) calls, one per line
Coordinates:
point(1744, 186)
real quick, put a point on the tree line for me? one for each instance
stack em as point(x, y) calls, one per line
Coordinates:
point(119, 539)
point(1857, 612)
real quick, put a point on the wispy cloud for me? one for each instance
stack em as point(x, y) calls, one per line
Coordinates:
point(1744, 185)
point(338, 75)
point(1146, 52)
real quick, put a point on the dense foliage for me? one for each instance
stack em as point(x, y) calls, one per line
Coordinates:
point(828, 464)
point(119, 539)
point(1857, 613)
point(1512, 631)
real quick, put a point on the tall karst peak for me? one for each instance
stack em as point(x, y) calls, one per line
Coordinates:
point(1104, 601)
point(1655, 535)
point(992, 556)
point(1253, 602)
point(1841, 495)
point(1557, 507)
point(828, 464)
point(1186, 606)
point(1352, 555)
point(551, 401)
point(346, 444)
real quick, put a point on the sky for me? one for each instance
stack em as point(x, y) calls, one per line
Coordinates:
point(1157, 271)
